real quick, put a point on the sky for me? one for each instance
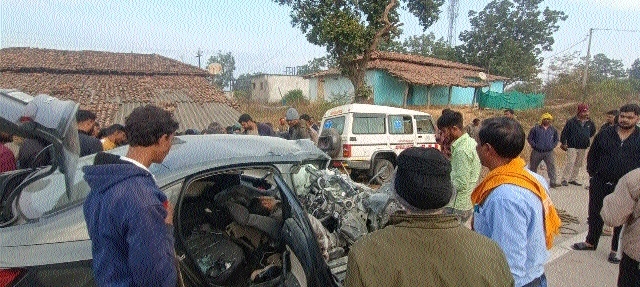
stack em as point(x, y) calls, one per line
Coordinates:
point(258, 33)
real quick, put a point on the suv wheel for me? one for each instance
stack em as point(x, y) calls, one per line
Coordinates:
point(382, 170)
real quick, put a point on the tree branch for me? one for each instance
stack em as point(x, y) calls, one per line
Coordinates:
point(387, 27)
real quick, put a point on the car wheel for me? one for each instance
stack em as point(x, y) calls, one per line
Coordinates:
point(329, 142)
point(382, 170)
point(355, 175)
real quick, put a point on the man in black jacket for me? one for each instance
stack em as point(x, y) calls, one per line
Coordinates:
point(615, 152)
point(576, 138)
point(88, 144)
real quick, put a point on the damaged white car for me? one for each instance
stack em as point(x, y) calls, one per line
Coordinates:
point(249, 210)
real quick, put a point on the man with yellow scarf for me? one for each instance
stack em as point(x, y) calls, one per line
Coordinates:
point(511, 204)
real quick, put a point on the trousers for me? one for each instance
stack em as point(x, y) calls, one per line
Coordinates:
point(598, 190)
point(575, 159)
point(549, 161)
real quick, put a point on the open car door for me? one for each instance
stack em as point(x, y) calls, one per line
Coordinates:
point(46, 118)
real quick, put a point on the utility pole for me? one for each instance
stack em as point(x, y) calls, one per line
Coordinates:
point(586, 68)
point(453, 16)
point(198, 55)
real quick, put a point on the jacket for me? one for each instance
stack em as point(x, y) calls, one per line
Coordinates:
point(609, 158)
point(541, 139)
point(88, 144)
point(623, 207)
point(576, 135)
point(426, 250)
point(130, 242)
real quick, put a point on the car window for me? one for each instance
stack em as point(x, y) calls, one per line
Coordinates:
point(334, 123)
point(424, 125)
point(368, 124)
point(400, 124)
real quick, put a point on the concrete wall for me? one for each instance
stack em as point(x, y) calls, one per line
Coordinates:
point(271, 88)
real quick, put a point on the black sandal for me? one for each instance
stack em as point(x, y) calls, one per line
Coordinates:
point(582, 246)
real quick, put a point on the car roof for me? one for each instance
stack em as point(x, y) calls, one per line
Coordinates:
point(366, 108)
point(194, 153)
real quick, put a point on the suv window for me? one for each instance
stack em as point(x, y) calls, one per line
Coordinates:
point(424, 125)
point(368, 124)
point(335, 123)
point(399, 124)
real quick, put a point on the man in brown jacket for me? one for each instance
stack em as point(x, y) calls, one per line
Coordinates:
point(424, 247)
point(623, 207)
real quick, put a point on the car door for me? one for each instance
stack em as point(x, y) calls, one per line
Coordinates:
point(46, 118)
point(401, 132)
point(425, 131)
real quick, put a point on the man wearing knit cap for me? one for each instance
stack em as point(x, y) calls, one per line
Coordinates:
point(296, 129)
point(576, 138)
point(423, 246)
point(512, 205)
point(543, 139)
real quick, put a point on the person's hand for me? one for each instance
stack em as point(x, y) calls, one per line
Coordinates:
point(268, 202)
point(169, 218)
point(564, 147)
point(239, 213)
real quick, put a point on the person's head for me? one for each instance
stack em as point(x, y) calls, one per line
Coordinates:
point(611, 116)
point(214, 128)
point(583, 111)
point(476, 122)
point(500, 140)
point(628, 117)
point(292, 117)
point(545, 119)
point(246, 122)
point(5, 138)
point(509, 113)
point(451, 124)
point(306, 119)
point(116, 133)
point(423, 179)
point(283, 122)
point(86, 121)
point(151, 128)
point(312, 120)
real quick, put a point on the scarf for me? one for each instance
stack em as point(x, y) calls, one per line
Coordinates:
point(514, 173)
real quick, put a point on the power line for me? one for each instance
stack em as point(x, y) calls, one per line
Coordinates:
point(577, 43)
point(616, 30)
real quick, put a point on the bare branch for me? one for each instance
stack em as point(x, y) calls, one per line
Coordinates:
point(387, 27)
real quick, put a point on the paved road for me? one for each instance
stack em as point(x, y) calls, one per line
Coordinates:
point(567, 267)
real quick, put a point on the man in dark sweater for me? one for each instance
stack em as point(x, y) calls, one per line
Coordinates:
point(129, 219)
point(250, 127)
point(615, 152)
point(576, 138)
point(543, 138)
point(86, 123)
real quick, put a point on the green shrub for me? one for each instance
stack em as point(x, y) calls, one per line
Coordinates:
point(294, 97)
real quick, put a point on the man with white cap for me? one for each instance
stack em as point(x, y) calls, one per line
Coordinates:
point(543, 139)
point(423, 246)
point(296, 129)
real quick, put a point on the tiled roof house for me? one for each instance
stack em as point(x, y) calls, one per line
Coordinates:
point(113, 84)
point(401, 79)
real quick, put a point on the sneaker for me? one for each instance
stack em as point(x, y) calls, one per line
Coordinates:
point(564, 183)
point(613, 258)
point(575, 183)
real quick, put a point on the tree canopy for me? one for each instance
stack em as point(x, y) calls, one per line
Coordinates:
point(424, 45)
point(228, 63)
point(508, 36)
point(351, 30)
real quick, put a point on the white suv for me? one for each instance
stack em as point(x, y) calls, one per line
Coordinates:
point(367, 139)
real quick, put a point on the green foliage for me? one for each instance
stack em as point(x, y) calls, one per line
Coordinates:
point(338, 99)
point(508, 36)
point(634, 72)
point(228, 63)
point(351, 30)
point(243, 83)
point(294, 97)
point(317, 65)
point(242, 95)
point(423, 45)
point(602, 68)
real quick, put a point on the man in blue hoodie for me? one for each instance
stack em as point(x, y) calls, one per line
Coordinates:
point(128, 217)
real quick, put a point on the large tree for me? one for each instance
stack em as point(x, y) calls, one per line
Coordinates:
point(351, 30)
point(634, 72)
point(601, 68)
point(228, 63)
point(508, 36)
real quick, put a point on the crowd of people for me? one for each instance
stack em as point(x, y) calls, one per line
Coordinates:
point(509, 216)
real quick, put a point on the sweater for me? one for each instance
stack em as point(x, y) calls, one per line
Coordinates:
point(623, 207)
point(130, 242)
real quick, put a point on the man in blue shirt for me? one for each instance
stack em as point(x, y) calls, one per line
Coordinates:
point(512, 205)
point(543, 139)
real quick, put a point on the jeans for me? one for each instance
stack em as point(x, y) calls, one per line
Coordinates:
point(598, 189)
point(547, 157)
point(538, 282)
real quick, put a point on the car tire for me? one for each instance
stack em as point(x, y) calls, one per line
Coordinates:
point(330, 142)
point(378, 166)
point(355, 175)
